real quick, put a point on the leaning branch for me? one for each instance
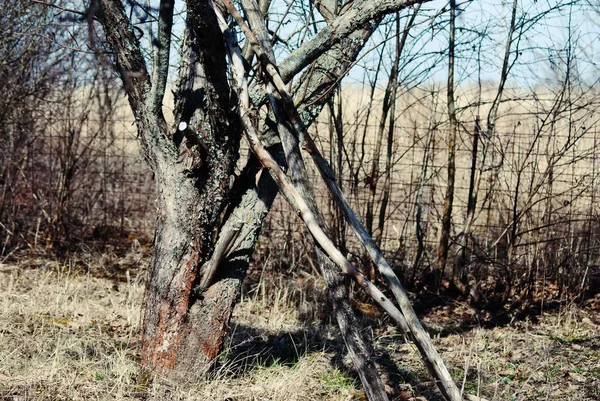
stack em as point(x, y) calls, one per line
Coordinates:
point(296, 200)
point(407, 319)
point(357, 346)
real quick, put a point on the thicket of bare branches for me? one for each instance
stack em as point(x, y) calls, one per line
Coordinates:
point(525, 147)
point(62, 180)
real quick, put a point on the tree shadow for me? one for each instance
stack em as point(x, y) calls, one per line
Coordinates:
point(252, 347)
point(443, 315)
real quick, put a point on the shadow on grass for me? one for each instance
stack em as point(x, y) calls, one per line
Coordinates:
point(252, 348)
point(443, 316)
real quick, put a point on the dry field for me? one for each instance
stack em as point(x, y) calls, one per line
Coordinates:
point(69, 331)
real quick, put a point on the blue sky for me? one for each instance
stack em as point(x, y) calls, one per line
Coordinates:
point(482, 28)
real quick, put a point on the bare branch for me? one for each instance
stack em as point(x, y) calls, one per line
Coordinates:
point(359, 14)
point(491, 120)
point(449, 197)
point(407, 320)
point(161, 58)
point(152, 127)
point(126, 47)
point(61, 8)
point(297, 201)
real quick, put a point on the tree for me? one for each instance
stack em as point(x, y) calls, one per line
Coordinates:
point(207, 218)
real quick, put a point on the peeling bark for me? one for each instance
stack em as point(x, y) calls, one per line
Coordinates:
point(192, 171)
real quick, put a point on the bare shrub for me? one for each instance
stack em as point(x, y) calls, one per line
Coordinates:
point(69, 164)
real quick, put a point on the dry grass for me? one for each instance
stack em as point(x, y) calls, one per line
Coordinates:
point(66, 334)
point(554, 356)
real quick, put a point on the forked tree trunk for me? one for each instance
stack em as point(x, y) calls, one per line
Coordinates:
point(201, 250)
point(181, 334)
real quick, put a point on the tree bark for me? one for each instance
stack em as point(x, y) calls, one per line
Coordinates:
point(182, 332)
point(192, 170)
point(185, 323)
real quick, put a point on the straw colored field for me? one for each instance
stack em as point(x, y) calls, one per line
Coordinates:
point(536, 193)
point(70, 332)
point(535, 178)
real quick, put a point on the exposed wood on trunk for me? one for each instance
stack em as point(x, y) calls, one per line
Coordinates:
point(209, 316)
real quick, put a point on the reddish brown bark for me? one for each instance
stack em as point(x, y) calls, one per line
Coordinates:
point(190, 195)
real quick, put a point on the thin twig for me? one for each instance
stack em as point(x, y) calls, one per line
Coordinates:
point(69, 10)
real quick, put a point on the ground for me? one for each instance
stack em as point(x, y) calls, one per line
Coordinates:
point(69, 331)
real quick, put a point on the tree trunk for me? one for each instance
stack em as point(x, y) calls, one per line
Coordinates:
point(446, 228)
point(200, 253)
point(181, 334)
